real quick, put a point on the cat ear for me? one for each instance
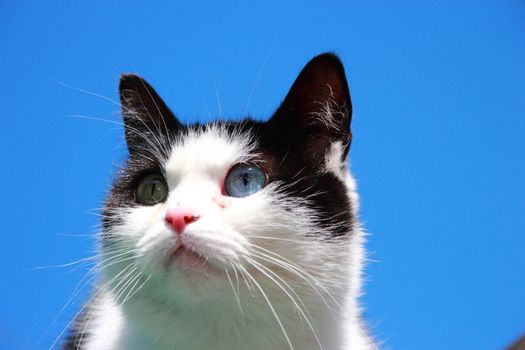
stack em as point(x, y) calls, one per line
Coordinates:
point(146, 117)
point(317, 110)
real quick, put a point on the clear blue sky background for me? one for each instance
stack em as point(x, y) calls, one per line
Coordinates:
point(439, 143)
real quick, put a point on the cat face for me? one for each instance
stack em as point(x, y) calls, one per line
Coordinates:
point(198, 208)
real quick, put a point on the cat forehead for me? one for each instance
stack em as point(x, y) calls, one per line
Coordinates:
point(208, 150)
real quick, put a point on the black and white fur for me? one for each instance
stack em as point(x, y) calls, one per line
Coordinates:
point(280, 269)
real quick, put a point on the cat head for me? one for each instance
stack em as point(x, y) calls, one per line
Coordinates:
point(197, 204)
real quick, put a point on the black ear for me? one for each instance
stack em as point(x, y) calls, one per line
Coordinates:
point(317, 110)
point(147, 119)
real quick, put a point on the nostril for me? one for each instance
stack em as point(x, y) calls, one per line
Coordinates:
point(188, 219)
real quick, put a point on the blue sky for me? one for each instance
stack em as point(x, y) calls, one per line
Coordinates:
point(439, 140)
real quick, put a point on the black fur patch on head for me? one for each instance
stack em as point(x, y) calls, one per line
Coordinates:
point(302, 176)
point(315, 114)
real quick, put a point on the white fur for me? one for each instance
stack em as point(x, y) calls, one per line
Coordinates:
point(148, 303)
point(329, 113)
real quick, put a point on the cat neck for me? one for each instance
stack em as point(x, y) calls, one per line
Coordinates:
point(211, 326)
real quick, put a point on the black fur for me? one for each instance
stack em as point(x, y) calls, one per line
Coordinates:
point(78, 335)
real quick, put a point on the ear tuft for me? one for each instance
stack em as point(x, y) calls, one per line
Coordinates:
point(146, 116)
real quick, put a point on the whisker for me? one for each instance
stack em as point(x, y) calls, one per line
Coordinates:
point(270, 306)
point(80, 261)
point(137, 290)
point(264, 270)
point(85, 280)
point(233, 289)
point(308, 278)
point(87, 320)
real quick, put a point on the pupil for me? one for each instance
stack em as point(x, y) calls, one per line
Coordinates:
point(153, 187)
point(245, 179)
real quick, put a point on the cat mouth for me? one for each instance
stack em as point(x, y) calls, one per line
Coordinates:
point(187, 257)
point(192, 264)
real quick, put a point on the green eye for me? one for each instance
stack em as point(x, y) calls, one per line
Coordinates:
point(152, 189)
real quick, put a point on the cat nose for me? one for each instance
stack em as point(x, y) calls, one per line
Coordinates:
point(179, 217)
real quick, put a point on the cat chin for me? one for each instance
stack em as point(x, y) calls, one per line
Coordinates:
point(188, 282)
point(192, 267)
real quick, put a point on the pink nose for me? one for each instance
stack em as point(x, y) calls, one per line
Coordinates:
point(178, 218)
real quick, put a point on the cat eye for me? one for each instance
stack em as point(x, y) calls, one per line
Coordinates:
point(244, 180)
point(152, 190)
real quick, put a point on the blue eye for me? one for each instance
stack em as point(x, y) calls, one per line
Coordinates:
point(244, 180)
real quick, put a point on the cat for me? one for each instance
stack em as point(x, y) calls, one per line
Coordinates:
point(232, 234)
